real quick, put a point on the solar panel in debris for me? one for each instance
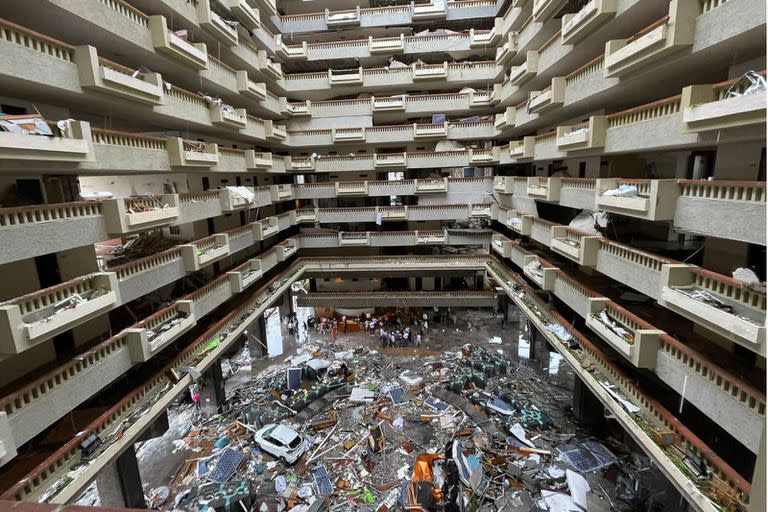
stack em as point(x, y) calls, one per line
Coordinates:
point(322, 480)
point(228, 463)
point(600, 452)
point(294, 378)
point(582, 459)
point(436, 404)
point(397, 395)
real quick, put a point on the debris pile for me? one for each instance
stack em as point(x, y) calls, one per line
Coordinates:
point(342, 426)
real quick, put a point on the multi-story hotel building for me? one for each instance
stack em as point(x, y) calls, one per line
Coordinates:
point(249, 143)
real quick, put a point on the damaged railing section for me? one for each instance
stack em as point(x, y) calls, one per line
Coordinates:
point(731, 308)
point(38, 316)
point(150, 336)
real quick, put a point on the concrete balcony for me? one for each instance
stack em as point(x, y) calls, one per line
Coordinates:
point(708, 208)
point(194, 55)
point(269, 67)
point(117, 80)
point(429, 71)
point(237, 199)
point(281, 193)
point(637, 269)
point(342, 18)
point(654, 43)
point(286, 249)
point(552, 96)
point(710, 107)
point(719, 303)
point(386, 45)
point(505, 119)
point(306, 215)
point(540, 271)
point(245, 275)
point(541, 230)
point(485, 38)
point(430, 131)
point(589, 135)
point(351, 188)
point(275, 131)
point(150, 336)
point(128, 215)
point(575, 245)
point(235, 118)
point(183, 153)
point(544, 189)
point(505, 52)
point(28, 320)
point(578, 26)
point(524, 149)
point(485, 156)
point(396, 212)
point(299, 164)
point(520, 74)
point(263, 229)
point(257, 160)
point(389, 160)
point(248, 16)
point(249, 88)
point(501, 245)
point(205, 251)
point(214, 25)
point(270, 6)
point(431, 237)
point(388, 104)
point(653, 200)
point(503, 184)
point(543, 10)
point(431, 186)
point(354, 239)
point(581, 299)
point(347, 134)
point(518, 221)
point(578, 193)
point(632, 337)
point(345, 76)
point(294, 52)
point(430, 11)
point(53, 227)
point(72, 144)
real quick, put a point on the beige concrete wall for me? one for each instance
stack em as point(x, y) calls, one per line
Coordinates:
point(18, 278)
point(125, 186)
point(14, 367)
point(739, 161)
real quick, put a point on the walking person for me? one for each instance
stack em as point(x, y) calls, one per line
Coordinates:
point(196, 400)
point(334, 332)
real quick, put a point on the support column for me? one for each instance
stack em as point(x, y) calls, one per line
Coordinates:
point(534, 339)
point(257, 337)
point(587, 408)
point(757, 497)
point(212, 394)
point(119, 483)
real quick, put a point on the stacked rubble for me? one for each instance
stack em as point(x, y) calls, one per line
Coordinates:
point(344, 427)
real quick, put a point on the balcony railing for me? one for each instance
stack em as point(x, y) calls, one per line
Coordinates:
point(38, 316)
point(722, 304)
point(595, 13)
point(720, 106)
point(641, 198)
point(654, 43)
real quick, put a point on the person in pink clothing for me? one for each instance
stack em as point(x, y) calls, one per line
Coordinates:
point(196, 400)
point(334, 332)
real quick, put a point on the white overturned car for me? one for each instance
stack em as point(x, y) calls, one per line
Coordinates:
point(281, 441)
